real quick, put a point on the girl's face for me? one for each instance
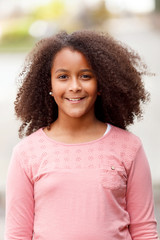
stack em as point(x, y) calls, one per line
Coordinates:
point(74, 85)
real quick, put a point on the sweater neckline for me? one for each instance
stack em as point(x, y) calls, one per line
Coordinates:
point(76, 144)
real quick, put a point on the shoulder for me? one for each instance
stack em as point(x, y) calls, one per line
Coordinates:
point(27, 153)
point(28, 142)
point(125, 137)
point(125, 145)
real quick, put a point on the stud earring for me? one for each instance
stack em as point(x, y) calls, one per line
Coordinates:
point(50, 93)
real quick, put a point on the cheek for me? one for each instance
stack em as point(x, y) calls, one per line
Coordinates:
point(57, 96)
point(57, 89)
point(91, 86)
point(93, 89)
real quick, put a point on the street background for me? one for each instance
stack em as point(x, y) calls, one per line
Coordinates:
point(23, 23)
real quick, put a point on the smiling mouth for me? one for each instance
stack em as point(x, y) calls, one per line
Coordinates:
point(75, 99)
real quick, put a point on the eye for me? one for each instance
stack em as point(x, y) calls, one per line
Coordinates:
point(86, 76)
point(63, 77)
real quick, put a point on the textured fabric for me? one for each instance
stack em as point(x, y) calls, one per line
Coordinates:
point(99, 190)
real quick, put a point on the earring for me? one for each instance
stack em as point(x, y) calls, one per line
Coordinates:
point(50, 93)
point(98, 93)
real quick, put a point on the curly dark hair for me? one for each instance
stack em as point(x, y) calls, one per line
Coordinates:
point(118, 69)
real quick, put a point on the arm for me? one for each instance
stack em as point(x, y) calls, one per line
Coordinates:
point(19, 202)
point(140, 204)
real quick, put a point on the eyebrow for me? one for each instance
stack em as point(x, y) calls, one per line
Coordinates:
point(86, 70)
point(82, 70)
point(62, 70)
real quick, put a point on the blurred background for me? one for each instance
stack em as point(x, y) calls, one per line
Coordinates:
point(23, 23)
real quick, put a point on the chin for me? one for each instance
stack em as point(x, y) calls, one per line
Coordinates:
point(76, 114)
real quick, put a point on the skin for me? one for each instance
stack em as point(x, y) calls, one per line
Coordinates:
point(74, 88)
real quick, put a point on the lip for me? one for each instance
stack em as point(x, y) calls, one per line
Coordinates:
point(75, 99)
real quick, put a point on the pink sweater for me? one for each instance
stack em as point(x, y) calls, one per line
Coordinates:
point(98, 190)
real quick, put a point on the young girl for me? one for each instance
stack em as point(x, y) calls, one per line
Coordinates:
point(79, 174)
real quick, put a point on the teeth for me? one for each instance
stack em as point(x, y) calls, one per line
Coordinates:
point(74, 99)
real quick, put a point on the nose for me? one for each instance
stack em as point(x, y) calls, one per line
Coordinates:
point(75, 85)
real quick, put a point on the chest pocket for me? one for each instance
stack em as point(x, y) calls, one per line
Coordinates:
point(113, 178)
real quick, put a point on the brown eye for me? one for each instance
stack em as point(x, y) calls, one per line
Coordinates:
point(86, 76)
point(63, 77)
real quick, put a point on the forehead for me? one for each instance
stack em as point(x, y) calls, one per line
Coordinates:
point(68, 56)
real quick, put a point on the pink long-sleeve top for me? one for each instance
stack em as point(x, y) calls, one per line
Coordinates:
point(98, 190)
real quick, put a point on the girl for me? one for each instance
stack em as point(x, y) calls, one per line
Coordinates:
point(79, 174)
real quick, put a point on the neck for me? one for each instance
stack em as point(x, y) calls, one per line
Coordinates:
point(76, 130)
point(74, 125)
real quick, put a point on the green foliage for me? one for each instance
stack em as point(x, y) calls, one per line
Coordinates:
point(17, 29)
point(16, 35)
point(53, 10)
point(17, 45)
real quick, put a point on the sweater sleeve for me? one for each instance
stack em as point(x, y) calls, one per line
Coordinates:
point(19, 202)
point(140, 203)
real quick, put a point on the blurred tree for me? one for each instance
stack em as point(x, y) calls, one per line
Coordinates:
point(100, 14)
point(15, 35)
point(94, 17)
point(157, 4)
point(25, 28)
point(51, 11)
